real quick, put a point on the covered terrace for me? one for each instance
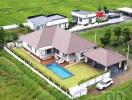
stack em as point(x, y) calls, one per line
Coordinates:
point(106, 59)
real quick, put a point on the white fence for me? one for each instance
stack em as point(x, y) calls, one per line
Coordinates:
point(38, 73)
point(95, 80)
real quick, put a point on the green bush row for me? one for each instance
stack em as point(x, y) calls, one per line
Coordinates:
point(47, 76)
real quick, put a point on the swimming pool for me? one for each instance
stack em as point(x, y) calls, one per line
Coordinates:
point(60, 71)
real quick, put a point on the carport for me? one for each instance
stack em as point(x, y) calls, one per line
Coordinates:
point(125, 11)
point(106, 58)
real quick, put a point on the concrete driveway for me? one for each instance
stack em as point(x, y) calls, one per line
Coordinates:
point(119, 79)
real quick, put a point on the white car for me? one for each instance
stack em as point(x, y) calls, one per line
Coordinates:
point(104, 83)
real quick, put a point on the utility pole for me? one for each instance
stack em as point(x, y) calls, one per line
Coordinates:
point(95, 37)
point(128, 51)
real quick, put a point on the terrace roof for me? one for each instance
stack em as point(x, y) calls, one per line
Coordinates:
point(104, 56)
point(83, 12)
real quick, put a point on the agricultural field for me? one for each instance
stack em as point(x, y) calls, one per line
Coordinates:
point(19, 83)
point(16, 11)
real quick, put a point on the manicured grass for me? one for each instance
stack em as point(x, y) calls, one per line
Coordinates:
point(122, 92)
point(80, 71)
point(17, 11)
point(17, 82)
point(90, 35)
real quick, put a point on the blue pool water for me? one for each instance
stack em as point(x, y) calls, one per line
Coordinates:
point(60, 71)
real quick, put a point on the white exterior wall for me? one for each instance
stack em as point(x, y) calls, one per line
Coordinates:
point(62, 23)
point(84, 21)
point(95, 80)
point(79, 54)
point(93, 19)
point(41, 52)
point(85, 18)
point(32, 49)
point(30, 24)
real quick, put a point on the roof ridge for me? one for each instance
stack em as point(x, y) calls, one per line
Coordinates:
point(54, 35)
point(69, 41)
point(40, 37)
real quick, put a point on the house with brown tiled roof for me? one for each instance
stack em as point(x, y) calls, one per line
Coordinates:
point(104, 57)
point(62, 44)
point(54, 41)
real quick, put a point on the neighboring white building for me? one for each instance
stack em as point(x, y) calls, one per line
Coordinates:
point(40, 21)
point(83, 17)
point(54, 41)
point(125, 11)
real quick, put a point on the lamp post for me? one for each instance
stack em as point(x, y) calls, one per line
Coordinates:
point(95, 37)
point(128, 48)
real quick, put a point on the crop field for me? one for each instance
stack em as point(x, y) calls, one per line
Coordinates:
point(16, 11)
point(19, 83)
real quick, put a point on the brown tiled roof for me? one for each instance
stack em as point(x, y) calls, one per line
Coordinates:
point(104, 56)
point(59, 38)
point(40, 38)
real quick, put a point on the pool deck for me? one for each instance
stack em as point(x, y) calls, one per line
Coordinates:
point(48, 60)
point(52, 60)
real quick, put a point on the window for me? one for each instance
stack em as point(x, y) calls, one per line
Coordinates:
point(56, 51)
point(49, 51)
point(80, 19)
point(30, 47)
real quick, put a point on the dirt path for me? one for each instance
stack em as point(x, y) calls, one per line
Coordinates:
point(118, 80)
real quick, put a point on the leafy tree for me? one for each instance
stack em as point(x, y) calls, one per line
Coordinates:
point(105, 9)
point(117, 32)
point(99, 8)
point(126, 33)
point(2, 38)
point(107, 38)
point(104, 41)
point(11, 37)
point(6, 37)
point(107, 34)
point(21, 25)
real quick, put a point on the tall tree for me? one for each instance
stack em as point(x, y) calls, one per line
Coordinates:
point(2, 38)
point(117, 32)
point(126, 33)
point(105, 9)
point(99, 8)
point(107, 37)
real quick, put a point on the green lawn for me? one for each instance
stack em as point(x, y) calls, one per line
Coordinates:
point(17, 82)
point(90, 35)
point(16, 11)
point(80, 71)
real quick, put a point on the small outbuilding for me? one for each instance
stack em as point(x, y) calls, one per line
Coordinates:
point(40, 21)
point(125, 11)
point(83, 17)
point(105, 58)
point(77, 91)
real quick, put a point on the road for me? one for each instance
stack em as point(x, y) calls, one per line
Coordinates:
point(126, 19)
